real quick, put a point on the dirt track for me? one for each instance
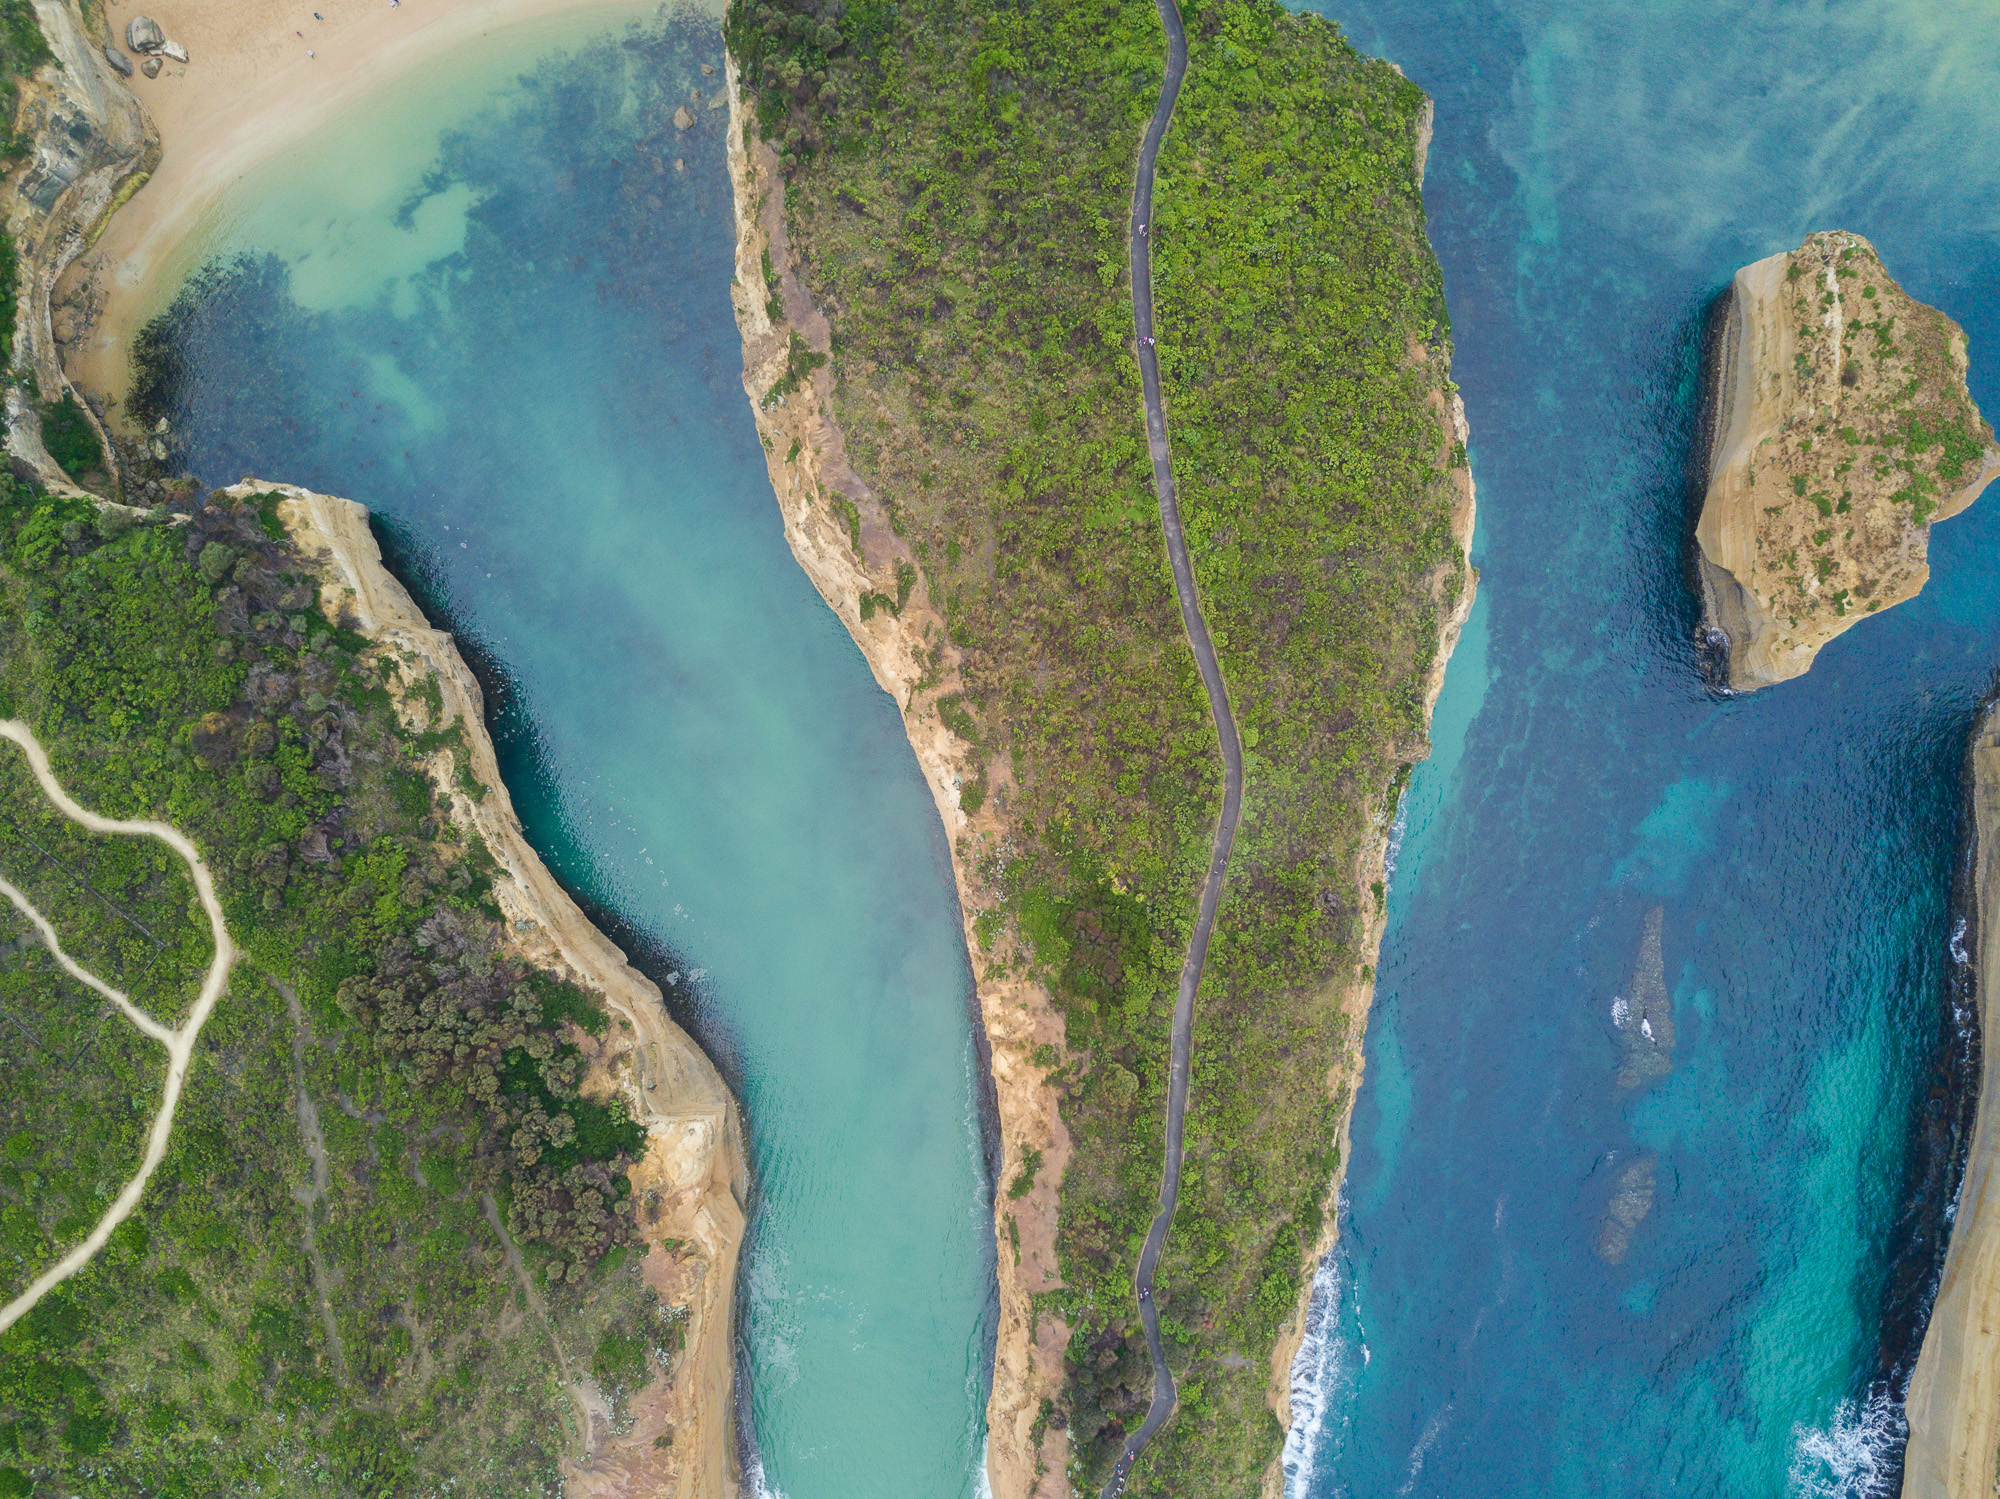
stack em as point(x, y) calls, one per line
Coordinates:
point(179, 1043)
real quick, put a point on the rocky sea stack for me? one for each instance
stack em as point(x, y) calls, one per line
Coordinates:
point(1842, 431)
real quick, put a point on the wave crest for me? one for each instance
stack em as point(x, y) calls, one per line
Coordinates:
point(1854, 1455)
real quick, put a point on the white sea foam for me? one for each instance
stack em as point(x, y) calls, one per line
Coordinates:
point(1621, 1012)
point(1396, 830)
point(1958, 953)
point(757, 1484)
point(1433, 1429)
point(1323, 1378)
point(1852, 1456)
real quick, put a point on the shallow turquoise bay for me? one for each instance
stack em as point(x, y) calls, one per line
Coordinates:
point(489, 305)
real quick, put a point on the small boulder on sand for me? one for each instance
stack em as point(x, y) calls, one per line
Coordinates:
point(150, 67)
point(120, 63)
point(174, 50)
point(143, 34)
point(682, 119)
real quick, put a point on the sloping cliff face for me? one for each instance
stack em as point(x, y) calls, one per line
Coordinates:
point(679, 1440)
point(937, 351)
point(1954, 1398)
point(93, 148)
point(1843, 432)
point(852, 554)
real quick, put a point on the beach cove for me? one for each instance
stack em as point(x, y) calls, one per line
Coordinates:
point(511, 336)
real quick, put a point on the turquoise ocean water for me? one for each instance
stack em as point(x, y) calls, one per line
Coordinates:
point(491, 308)
point(1708, 1280)
point(489, 305)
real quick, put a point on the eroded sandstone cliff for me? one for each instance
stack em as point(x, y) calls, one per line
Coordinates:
point(1954, 1398)
point(1842, 432)
point(677, 1439)
point(91, 149)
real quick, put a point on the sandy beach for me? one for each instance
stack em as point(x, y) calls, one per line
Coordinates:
point(263, 75)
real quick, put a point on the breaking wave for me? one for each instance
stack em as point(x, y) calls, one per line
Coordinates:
point(1854, 1455)
point(1323, 1376)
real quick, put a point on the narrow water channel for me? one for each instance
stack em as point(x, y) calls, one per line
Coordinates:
point(492, 303)
point(1578, 1259)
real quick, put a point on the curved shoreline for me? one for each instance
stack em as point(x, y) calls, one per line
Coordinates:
point(250, 95)
point(1953, 1403)
point(695, 1169)
point(806, 457)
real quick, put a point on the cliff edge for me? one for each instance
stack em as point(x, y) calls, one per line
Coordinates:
point(678, 1441)
point(1843, 431)
point(1954, 1399)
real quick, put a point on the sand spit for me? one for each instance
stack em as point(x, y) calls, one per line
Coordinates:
point(1954, 1399)
point(692, 1180)
point(248, 93)
point(806, 454)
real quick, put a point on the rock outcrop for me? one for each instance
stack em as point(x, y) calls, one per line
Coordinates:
point(1842, 432)
point(92, 147)
point(1954, 1399)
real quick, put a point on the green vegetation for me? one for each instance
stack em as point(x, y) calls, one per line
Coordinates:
point(312, 1299)
point(957, 184)
point(67, 434)
point(22, 50)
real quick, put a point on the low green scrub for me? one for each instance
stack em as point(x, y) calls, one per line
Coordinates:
point(957, 183)
point(69, 438)
point(250, 1330)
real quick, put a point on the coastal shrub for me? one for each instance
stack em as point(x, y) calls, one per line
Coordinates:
point(957, 184)
point(69, 438)
point(184, 672)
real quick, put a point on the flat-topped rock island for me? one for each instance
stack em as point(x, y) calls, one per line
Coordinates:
point(1843, 431)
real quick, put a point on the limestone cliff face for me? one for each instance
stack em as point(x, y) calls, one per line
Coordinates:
point(841, 536)
point(1954, 1398)
point(1843, 432)
point(678, 1441)
point(92, 147)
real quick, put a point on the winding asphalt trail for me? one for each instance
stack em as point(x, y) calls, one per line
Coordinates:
point(1164, 1394)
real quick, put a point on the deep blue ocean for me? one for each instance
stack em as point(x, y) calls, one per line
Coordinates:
point(493, 305)
point(1563, 1271)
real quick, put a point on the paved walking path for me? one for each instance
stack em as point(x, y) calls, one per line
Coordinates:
point(179, 1043)
point(1164, 1394)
